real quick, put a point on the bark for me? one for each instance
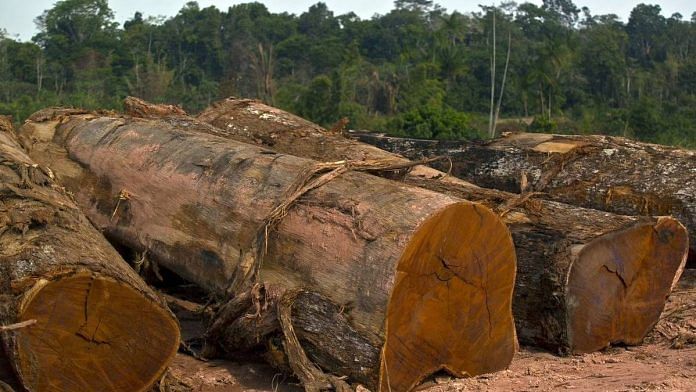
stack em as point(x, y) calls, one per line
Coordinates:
point(606, 173)
point(556, 304)
point(139, 108)
point(83, 320)
point(389, 255)
point(282, 311)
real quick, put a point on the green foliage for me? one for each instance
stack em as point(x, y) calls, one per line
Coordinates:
point(602, 61)
point(544, 125)
point(645, 28)
point(416, 71)
point(646, 118)
point(433, 122)
point(318, 103)
point(604, 120)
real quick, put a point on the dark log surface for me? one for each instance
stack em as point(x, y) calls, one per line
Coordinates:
point(606, 173)
point(97, 325)
point(548, 237)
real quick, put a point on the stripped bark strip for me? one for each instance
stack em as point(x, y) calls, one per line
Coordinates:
point(306, 181)
point(311, 377)
point(516, 202)
point(23, 324)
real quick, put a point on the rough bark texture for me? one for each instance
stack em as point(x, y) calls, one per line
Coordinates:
point(97, 325)
point(606, 173)
point(553, 241)
point(136, 107)
point(324, 328)
point(253, 122)
point(396, 258)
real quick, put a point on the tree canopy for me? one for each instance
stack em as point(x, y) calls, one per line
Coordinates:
point(418, 70)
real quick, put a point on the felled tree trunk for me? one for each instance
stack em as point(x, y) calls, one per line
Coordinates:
point(585, 278)
point(397, 260)
point(80, 318)
point(601, 172)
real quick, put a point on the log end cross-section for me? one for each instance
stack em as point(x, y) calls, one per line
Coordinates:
point(76, 316)
point(618, 284)
point(84, 338)
point(450, 308)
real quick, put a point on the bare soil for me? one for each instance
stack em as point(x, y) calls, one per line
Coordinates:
point(665, 362)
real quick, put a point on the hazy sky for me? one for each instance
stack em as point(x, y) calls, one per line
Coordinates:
point(17, 16)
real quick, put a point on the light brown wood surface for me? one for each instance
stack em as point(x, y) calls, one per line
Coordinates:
point(85, 320)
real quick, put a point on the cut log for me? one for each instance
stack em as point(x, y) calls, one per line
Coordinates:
point(75, 316)
point(425, 278)
point(606, 173)
point(582, 280)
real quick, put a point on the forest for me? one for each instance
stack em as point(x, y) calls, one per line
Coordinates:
point(420, 70)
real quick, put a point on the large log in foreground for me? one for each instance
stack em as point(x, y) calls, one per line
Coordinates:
point(602, 172)
point(585, 278)
point(425, 278)
point(86, 321)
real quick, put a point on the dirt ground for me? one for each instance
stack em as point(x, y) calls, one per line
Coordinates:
point(665, 362)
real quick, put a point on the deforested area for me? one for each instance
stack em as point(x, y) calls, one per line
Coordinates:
point(386, 196)
point(288, 252)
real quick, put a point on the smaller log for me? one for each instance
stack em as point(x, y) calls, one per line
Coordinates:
point(564, 252)
point(81, 319)
point(606, 173)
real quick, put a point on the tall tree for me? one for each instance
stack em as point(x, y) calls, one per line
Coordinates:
point(645, 28)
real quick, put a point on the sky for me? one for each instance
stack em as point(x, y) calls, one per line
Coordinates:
point(17, 16)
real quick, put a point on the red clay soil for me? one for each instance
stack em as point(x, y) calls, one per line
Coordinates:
point(191, 374)
point(666, 362)
point(188, 374)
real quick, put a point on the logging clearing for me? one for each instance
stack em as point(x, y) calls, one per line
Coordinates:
point(341, 262)
point(228, 216)
point(581, 283)
point(76, 316)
